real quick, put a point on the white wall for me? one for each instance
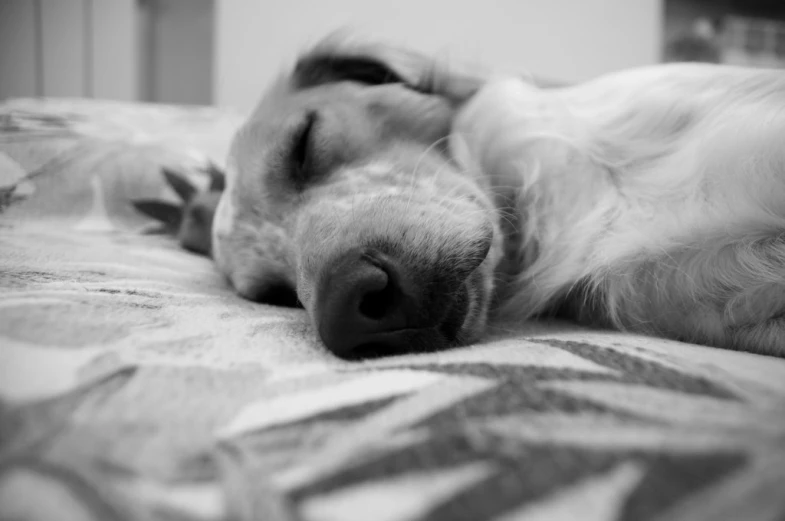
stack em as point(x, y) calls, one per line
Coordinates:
point(562, 39)
point(152, 50)
point(179, 51)
point(19, 49)
point(67, 48)
point(63, 29)
point(113, 48)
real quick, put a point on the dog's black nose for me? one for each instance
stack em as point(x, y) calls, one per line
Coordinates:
point(364, 306)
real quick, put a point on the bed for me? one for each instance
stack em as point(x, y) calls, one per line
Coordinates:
point(135, 385)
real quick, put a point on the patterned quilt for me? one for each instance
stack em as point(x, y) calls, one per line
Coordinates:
point(135, 385)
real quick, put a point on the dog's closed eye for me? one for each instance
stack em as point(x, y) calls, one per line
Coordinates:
point(302, 151)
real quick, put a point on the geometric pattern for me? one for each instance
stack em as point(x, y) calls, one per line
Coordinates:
point(135, 385)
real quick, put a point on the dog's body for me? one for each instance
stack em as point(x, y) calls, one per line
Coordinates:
point(650, 200)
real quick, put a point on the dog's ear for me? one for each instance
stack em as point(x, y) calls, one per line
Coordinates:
point(321, 67)
point(341, 58)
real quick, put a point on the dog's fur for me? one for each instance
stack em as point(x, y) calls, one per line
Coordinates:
point(650, 200)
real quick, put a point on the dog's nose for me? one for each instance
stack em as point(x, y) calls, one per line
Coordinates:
point(364, 306)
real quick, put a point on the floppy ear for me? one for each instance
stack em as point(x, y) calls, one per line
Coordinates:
point(338, 58)
point(317, 69)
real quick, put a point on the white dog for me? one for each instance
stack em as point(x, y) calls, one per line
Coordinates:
point(651, 200)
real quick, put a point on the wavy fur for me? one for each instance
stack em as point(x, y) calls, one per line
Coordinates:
point(652, 199)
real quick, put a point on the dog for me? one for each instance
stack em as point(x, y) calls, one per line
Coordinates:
point(406, 204)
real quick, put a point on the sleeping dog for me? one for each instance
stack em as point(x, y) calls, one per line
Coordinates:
point(407, 205)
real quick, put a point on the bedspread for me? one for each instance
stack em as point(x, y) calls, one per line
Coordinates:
point(135, 385)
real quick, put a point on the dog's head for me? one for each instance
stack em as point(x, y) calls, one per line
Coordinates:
point(341, 195)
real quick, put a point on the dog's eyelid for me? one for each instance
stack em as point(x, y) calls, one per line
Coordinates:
point(301, 148)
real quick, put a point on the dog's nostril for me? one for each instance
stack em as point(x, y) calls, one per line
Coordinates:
point(376, 304)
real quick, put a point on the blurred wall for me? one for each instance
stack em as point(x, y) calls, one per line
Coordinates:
point(19, 53)
point(179, 47)
point(135, 50)
point(70, 48)
point(564, 40)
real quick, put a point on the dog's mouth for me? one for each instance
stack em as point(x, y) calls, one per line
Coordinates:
point(400, 342)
